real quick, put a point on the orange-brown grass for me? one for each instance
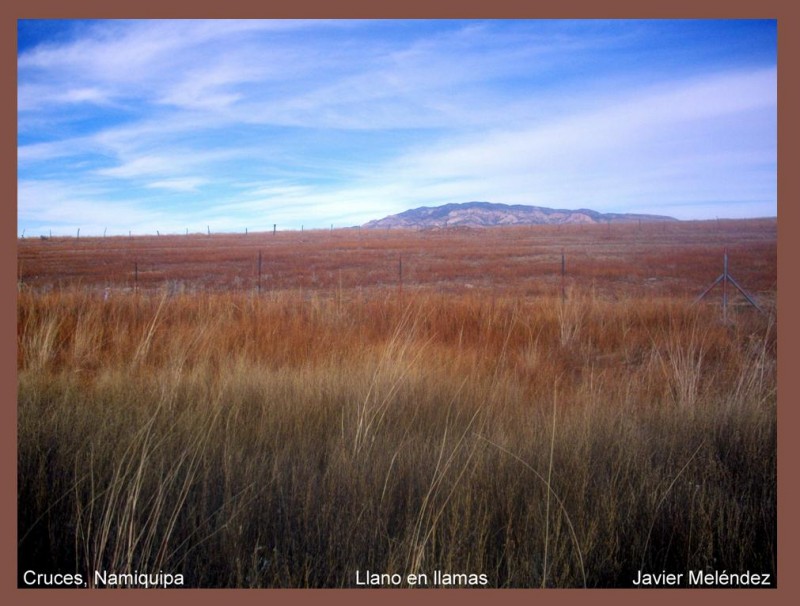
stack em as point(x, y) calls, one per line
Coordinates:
point(651, 259)
point(295, 438)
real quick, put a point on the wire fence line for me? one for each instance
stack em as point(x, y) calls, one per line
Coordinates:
point(556, 274)
point(676, 260)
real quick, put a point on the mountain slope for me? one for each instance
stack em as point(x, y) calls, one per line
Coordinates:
point(487, 214)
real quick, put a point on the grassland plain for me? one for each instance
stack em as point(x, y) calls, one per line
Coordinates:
point(337, 424)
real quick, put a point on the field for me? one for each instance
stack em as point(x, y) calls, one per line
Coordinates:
point(456, 404)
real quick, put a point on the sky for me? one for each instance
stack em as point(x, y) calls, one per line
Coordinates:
point(145, 126)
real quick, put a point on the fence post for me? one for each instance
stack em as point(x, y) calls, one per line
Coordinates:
point(725, 286)
point(725, 278)
point(259, 272)
point(400, 278)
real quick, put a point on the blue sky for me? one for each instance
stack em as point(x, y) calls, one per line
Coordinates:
point(138, 126)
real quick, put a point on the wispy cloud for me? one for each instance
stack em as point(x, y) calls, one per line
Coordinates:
point(63, 208)
point(187, 184)
point(342, 122)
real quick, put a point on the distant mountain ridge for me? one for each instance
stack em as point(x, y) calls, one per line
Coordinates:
point(489, 214)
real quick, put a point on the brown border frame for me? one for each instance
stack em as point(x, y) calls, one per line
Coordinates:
point(788, 37)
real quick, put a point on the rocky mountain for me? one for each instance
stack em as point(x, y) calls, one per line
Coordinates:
point(487, 214)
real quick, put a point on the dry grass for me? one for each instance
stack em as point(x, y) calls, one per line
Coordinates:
point(623, 260)
point(294, 439)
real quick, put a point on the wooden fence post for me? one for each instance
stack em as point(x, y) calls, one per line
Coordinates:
point(400, 278)
point(725, 278)
point(259, 272)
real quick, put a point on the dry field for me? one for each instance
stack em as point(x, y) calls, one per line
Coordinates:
point(466, 419)
point(667, 259)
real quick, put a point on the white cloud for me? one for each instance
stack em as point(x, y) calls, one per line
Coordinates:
point(173, 162)
point(626, 148)
point(187, 184)
point(64, 207)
